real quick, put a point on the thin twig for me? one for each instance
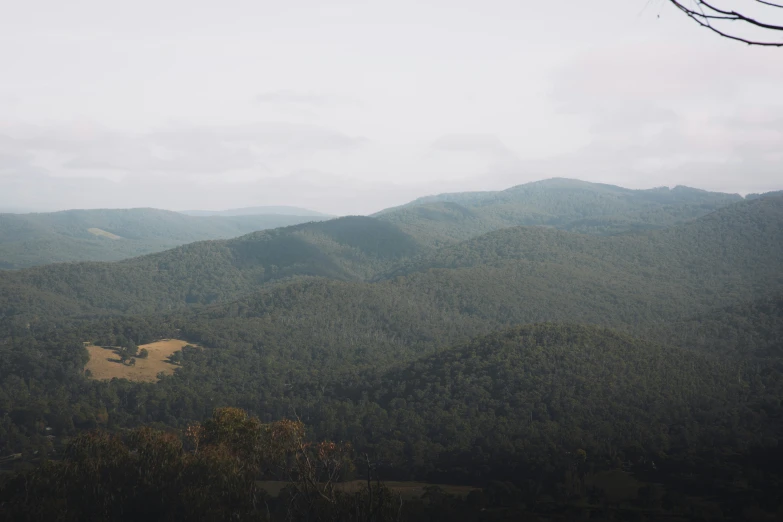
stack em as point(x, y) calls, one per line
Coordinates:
point(704, 19)
point(740, 16)
point(771, 4)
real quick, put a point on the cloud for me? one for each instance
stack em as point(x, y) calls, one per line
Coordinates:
point(194, 150)
point(310, 99)
point(13, 161)
point(147, 154)
point(484, 143)
point(309, 188)
point(721, 159)
point(656, 113)
point(490, 156)
point(12, 156)
point(182, 167)
point(661, 73)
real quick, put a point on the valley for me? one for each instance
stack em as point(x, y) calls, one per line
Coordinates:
point(521, 364)
point(391, 261)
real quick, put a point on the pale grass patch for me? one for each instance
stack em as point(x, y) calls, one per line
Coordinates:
point(105, 364)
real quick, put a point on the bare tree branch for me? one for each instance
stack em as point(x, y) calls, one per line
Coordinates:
point(770, 3)
point(738, 16)
point(708, 15)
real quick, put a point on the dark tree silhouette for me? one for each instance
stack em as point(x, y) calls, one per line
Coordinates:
point(720, 17)
point(132, 349)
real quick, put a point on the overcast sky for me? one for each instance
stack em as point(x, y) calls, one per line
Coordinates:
point(353, 106)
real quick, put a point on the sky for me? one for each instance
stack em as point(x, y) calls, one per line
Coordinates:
point(348, 107)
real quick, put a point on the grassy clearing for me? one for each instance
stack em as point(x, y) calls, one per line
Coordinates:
point(102, 233)
point(105, 363)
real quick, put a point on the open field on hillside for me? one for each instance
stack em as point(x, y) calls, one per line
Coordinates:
point(103, 233)
point(105, 363)
point(408, 490)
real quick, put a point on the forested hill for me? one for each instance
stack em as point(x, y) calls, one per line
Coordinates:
point(639, 284)
point(514, 392)
point(749, 330)
point(538, 357)
point(573, 205)
point(741, 242)
point(733, 253)
point(111, 235)
point(350, 248)
point(527, 405)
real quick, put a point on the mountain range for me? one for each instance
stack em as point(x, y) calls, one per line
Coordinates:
point(533, 337)
point(111, 235)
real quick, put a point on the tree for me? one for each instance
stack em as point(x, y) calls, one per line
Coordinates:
point(721, 18)
point(132, 349)
point(209, 475)
point(143, 353)
point(176, 357)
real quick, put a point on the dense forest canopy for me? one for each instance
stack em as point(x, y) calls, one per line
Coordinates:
point(531, 343)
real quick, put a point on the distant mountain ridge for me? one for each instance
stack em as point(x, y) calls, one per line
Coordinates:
point(681, 192)
point(568, 204)
point(114, 234)
point(733, 253)
point(431, 222)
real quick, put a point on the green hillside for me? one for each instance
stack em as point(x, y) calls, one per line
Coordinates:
point(530, 361)
point(110, 235)
point(512, 393)
point(306, 294)
point(742, 330)
point(728, 247)
point(86, 235)
point(729, 254)
point(573, 205)
point(351, 248)
point(641, 284)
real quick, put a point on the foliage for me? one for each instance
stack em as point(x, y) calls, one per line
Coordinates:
point(351, 248)
point(530, 361)
point(37, 239)
point(146, 474)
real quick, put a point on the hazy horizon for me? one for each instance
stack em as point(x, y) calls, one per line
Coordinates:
point(287, 208)
point(349, 108)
